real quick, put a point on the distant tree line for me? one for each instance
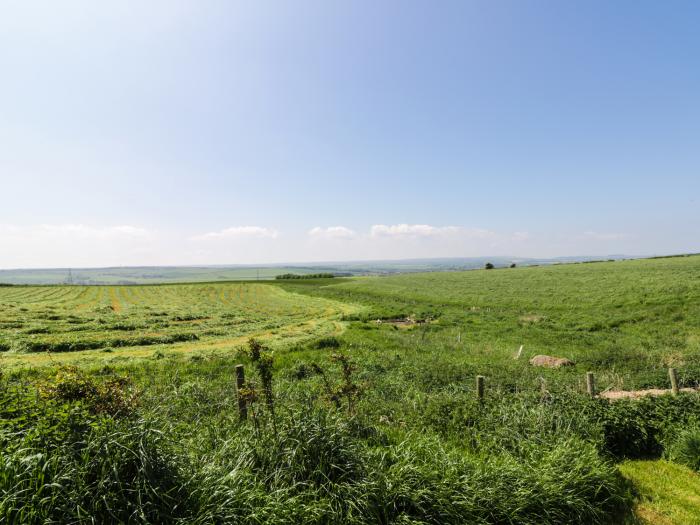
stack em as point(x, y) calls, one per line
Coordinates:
point(305, 276)
point(490, 266)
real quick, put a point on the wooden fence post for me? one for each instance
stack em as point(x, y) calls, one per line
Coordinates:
point(674, 380)
point(240, 383)
point(480, 388)
point(590, 384)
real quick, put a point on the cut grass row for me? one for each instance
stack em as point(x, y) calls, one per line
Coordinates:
point(668, 494)
point(64, 321)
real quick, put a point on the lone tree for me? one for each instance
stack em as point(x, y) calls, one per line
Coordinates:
point(488, 266)
point(512, 265)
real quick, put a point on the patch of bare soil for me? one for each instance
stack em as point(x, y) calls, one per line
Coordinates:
point(636, 394)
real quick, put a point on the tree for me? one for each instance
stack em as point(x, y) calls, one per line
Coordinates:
point(488, 266)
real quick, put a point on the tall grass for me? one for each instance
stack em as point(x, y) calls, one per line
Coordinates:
point(71, 463)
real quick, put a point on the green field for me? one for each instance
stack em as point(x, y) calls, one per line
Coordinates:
point(104, 324)
point(146, 275)
point(352, 420)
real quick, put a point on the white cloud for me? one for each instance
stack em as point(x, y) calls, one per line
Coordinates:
point(411, 230)
point(332, 232)
point(88, 245)
point(238, 232)
point(426, 230)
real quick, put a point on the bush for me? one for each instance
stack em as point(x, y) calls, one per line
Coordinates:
point(327, 342)
point(114, 396)
point(685, 448)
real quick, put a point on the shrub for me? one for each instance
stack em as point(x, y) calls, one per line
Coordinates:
point(489, 266)
point(685, 448)
point(113, 396)
point(327, 342)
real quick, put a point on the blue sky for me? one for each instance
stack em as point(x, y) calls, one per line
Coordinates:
point(191, 132)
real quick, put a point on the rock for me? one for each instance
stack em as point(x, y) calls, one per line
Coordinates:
point(550, 362)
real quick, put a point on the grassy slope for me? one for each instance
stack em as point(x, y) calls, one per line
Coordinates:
point(628, 320)
point(625, 320)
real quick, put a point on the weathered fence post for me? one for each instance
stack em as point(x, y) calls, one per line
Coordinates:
point(590, 384)
point(480, 388)
point(674, 380)
point(240, 383)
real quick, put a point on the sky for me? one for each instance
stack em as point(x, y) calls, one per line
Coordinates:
point(222, 132)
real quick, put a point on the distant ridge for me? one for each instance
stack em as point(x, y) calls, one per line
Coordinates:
point(197, 273)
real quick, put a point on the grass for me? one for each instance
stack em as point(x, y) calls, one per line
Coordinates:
point(98, 325)
point(352, 421)
point(627, 321)
point(668, 493)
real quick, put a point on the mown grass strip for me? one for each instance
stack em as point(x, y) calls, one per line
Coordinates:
point(669, 494)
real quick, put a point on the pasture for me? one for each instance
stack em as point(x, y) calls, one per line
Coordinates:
point(91, 324)
point(354, 417)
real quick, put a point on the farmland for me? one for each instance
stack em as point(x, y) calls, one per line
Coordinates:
point(82, 324)
point(119, 402)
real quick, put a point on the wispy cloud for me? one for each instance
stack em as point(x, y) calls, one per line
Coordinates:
point(604, 236)
point(332, 232)
point(47, 245)
point(411, 230)
point(239, 232)
point(426, 230)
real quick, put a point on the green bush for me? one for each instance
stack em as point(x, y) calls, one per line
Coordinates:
point(114, 396)
point(685, 448)
point(327, 342)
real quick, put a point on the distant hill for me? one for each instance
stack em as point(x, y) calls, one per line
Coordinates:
point(173, 274)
